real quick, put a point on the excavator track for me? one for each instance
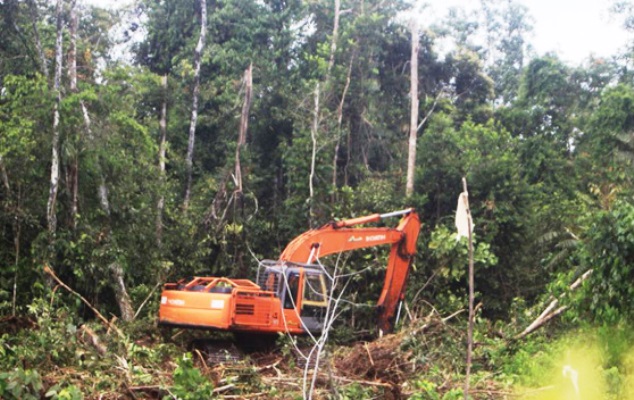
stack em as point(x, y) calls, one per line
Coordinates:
point(216, 352)
point(229, 352)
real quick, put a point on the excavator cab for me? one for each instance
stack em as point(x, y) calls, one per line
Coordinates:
point(301, 288)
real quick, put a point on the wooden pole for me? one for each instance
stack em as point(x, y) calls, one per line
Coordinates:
point(465, 198)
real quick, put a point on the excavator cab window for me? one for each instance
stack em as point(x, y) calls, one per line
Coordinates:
point(290, 300)
point(314, 301)
point(314, 290)
point(269, 280)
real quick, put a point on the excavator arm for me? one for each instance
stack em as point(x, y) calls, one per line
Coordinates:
point(341, 236)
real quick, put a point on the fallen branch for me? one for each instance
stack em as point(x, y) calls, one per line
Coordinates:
point(144, 388)
point(548, 313)
point(93, 339)
point(103, 319)
point(453, 315)
point(202, 359)
point(271, 366)
point(369, 355)
point(224, 388)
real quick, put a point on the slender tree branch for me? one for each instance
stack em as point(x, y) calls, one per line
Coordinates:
point(48, 270)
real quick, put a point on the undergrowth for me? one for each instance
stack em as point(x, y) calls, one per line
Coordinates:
point(50, 354)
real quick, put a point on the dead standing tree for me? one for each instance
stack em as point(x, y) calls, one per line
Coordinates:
point(247, 82)
point(413, 124)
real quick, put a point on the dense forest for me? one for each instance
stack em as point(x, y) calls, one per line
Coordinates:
point(166, 139)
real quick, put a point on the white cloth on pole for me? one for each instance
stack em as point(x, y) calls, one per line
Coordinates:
point(463, 218)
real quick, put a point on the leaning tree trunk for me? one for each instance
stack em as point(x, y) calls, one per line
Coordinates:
point(51, 216)
point(413, 124)
point(194, 118)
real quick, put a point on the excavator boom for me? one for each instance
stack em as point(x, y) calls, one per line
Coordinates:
point(346, 235)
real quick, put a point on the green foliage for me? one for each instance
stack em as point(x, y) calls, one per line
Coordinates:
point(601, 359)
point(20, 384)
point(56, 334)
point(429, 391)
point(356, 391)
point(607, 249)
point(189, 383)
point(71, 392)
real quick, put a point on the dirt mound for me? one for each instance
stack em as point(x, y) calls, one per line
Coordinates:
point(381, 360)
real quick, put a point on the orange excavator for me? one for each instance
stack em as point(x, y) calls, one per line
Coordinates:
point(291, 294)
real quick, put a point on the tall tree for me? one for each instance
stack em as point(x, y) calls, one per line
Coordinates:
point(196, 93)
point(51, 210)
point(507, 24)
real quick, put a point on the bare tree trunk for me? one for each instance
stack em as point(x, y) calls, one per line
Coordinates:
point(162, 152)
point(38, 42)
point(72, 74)
point(51, 216)
point(194, 118)
point(413, 124)
point(550, 312)
point(313, 158)
point(123, 299)
point(335, 158)
point(244, 124)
